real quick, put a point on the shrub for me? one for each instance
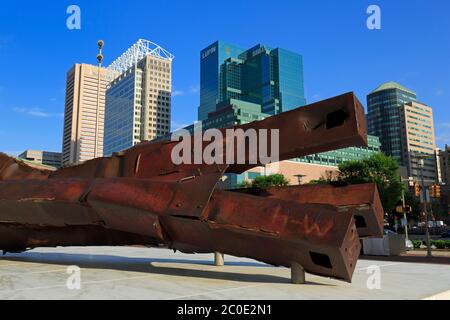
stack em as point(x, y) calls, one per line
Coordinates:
point(416, 244)
point(440, 244)
point(447, 244)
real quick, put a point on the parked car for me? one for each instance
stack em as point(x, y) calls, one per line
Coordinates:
point(446, 234)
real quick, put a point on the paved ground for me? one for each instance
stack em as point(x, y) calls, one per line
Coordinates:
point(141, 273)
point(417, 256)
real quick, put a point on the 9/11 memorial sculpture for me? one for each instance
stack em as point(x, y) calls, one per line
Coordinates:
point(140, 197)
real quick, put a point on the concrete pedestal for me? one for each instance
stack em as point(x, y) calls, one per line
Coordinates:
point(297, 273)
point(219, 259)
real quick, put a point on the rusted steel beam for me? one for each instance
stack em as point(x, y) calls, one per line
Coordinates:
point(182, 216)
point(14, 169)
point(323, 126)
point(141, 196)
point(363, 201)
point(330, 124)
point(18, 238)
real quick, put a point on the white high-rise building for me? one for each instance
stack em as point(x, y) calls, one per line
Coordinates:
point(138, 101)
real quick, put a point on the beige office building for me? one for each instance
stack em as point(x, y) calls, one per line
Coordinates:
point(418, 140)
point(84, 114)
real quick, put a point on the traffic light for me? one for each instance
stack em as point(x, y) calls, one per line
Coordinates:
point(433, 191)
point(437, 191)
point(417, 189)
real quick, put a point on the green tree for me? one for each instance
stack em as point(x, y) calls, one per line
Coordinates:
point(274, 180)
point(379, 169)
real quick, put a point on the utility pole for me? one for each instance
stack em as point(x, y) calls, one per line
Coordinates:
point(404, 214)
point(405, 218)
point(425, 210)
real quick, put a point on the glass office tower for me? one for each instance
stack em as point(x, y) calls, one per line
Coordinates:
point(271, 78)
point(385, 108)
point(211, 60)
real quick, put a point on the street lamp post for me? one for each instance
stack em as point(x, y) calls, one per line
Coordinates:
point(405, 218)
point(97, 113)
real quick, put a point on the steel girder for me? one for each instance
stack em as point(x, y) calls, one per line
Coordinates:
point(140, 197)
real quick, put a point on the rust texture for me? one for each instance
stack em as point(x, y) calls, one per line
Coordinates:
point(140, 196)
point(363, 201)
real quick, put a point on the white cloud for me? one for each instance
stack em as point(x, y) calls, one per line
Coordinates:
point(36, 112)
point(194, 89)
point(191, 90)
point(440, 92)
point(177, 93)
point(176, 126)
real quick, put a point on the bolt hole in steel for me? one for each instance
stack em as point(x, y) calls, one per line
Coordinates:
point(360, 222)
point(336, 119)
point(321, 259)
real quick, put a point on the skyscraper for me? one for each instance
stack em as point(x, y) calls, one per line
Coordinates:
point(405, 127)
point(138, 101)
point(384, 117)
point(271, 78)
point(80, 129)
point(418, 140)
point(211, 60)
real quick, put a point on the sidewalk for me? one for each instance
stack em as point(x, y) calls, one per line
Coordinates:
point(416, 256)
point(152, 273)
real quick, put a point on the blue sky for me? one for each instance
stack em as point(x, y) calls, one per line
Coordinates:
point(340, 53)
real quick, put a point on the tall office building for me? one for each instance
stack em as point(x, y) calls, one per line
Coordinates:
point(84, 114)
point(384, 118)
point(271, 78)
point(138, 101)
point(418, 140)
point(404, 126)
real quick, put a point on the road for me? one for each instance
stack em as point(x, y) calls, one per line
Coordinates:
point(142, 273)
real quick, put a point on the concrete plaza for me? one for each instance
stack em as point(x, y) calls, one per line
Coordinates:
point(142, 273)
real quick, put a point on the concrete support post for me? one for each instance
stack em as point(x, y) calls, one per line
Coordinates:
point(297, 273)
point(219, 259)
